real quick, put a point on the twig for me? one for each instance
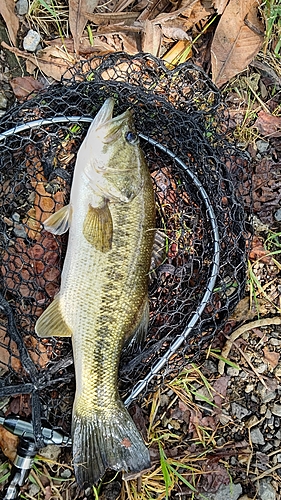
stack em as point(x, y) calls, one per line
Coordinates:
point(242, 329)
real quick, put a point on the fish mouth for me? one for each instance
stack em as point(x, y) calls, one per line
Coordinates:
point(110, 127)
point(105, 114)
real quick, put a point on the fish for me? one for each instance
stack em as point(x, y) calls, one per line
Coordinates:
point(103, 299)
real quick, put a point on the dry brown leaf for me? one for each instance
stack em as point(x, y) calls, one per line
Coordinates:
point(258, 252)
point(268, 125)
point(78, 18)
point(271, 357)
point(190, 14)
point(8, 359)
point(23, 86)
point(152, 37)
point(52, 61)
point(7, 11)
point(237, 40)
point(8, 443)
point(112, 17)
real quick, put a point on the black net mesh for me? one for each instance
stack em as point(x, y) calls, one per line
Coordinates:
point(199, 179)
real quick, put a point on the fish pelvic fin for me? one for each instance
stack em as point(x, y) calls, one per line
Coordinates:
point(106, 440)
point(51, 323)
point(59, 222)
point(98, 228)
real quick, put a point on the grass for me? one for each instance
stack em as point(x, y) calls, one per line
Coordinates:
point(49, 16)
point(272, 14)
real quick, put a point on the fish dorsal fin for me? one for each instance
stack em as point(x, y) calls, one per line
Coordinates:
point(98, 228)
point(51, 323)
point(59, 222)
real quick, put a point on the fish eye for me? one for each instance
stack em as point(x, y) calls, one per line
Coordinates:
point(131, 137)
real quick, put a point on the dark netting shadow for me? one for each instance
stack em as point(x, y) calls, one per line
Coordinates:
point(198, 179)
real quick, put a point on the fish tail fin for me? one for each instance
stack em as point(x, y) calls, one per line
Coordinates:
point(106, 440)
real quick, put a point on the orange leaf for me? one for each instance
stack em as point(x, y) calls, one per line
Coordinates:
point(8, 443)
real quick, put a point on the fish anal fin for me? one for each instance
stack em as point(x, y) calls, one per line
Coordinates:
point(134, 342)
point(59, 222)
point(98, 228)
point(51, 322)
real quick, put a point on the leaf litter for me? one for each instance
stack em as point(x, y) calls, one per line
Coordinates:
point(199, 439)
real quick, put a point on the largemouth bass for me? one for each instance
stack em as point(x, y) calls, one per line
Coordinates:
point(103, 299)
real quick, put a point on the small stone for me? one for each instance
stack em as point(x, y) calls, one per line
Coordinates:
point(277, 215)
point(16, 217)
point(22, 7)
point(239, 411)
point(52, 452)
point(262, 146)
point(274, 341)
point(278, 456)
point(276, 443)
point(263, 409)
point(66, 474)
point(3, 100)
point(33, 489)
point(249, 388)
point(210, 366)
point(277, 371)
point(276, 409)
point(278, 434)
point(266, 491)
point(19, 231)
point(257, 437)
point(31, 40)
point(220, 441)
point(266, 447)
point(232, 372)
point(267, 395)
point(229, 492)
point(262, 368)
point(268, 414)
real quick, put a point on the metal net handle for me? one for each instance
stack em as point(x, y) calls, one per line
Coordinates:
point(142, 384)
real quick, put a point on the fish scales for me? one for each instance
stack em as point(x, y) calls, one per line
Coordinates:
point(103, 300)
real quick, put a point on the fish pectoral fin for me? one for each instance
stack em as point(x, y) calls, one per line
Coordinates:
point(59, 222)
point(51, 323)
point(134, 342)
point(98, 228)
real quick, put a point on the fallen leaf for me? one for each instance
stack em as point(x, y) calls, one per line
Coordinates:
point(258, 252)
point(236, 41)
point(23, 86)
point(271, 357)
point(151, 38)
point(52, 61)
point(8, 443)
point(268, 125)
point(78, 18)
point(9, 354)
point(7, 11)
